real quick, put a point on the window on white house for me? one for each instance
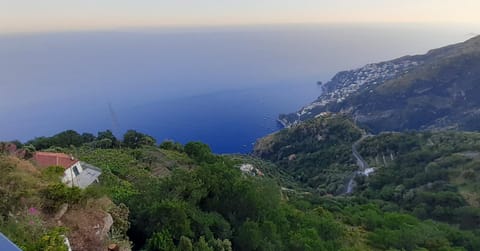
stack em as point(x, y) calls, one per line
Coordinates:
point(75, 170)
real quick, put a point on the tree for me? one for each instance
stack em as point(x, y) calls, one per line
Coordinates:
point(199, 152)
point(134, 139)
point(202, 245)
point(67, 138)
point(103, 136)
point(106, 135)
point(40, 143)
point(167, 145)
point(161, 241)
point(88, 137)
point(171, 145)
point(249, 236)
point(221, 245)
point(185, 244)
point(148, 141)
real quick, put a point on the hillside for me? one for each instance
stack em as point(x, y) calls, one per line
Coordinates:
point(37, 211)
point(431, 175)
point(437, 90)
point(184, 197)
point(317, 153)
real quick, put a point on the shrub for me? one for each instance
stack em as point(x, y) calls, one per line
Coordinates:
point(57, 194)
point(30, 232)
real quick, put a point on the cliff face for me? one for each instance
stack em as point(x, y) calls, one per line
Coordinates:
point(433, 91)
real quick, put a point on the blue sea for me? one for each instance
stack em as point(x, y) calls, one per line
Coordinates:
point(224, 86)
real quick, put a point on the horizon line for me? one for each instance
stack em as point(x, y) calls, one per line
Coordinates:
point(192, 27)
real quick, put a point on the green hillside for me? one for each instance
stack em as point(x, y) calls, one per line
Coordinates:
point(429, 175)
point(432, 175)
point(317, 153)
point(424, 196)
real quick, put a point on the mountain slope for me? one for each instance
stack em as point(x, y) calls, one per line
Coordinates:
point(317, 153)
point(432, 175)
point(437, 90)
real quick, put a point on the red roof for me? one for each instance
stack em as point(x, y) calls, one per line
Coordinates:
point(46, 159)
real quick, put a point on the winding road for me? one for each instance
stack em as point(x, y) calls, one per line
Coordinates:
point(362, 165)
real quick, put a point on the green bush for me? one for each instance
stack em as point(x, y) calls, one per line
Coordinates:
point(55, 195)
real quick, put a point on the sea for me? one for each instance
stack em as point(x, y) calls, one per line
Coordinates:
point(224, 86)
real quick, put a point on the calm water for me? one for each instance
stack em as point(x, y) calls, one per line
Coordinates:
point(223, 86)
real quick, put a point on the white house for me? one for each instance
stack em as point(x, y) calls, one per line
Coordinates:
point(251, 170)
point(76, 173)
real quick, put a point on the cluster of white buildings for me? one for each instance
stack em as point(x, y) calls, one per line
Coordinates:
point(346, 83)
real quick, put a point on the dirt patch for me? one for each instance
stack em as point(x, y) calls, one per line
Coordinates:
point(87, 228)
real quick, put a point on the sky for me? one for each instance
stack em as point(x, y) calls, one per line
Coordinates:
point(59, 15)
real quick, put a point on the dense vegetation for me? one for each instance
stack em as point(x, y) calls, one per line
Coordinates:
point(206, 203)
point(104, 139)
point(423, 195)
point(316, 153)
point(429, 175)
point(210, 207)
point(432, 175)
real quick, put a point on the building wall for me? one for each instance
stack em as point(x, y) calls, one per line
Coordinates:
point(69, 174)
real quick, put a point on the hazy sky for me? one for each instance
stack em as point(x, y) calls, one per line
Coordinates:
point(47, 15)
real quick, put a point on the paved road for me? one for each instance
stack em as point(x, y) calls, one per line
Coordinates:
point(362, 164)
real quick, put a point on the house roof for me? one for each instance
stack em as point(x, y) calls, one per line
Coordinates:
point(7, 245)
point(89, 175)
point(46, 159)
